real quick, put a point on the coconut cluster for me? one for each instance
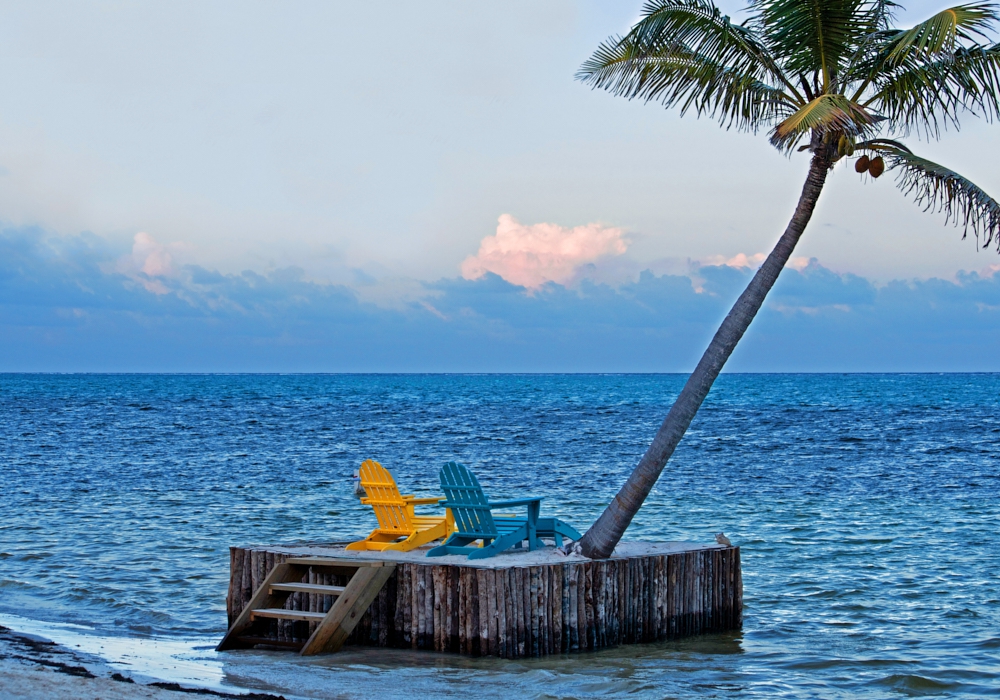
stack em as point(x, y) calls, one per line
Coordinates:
point(873, 166)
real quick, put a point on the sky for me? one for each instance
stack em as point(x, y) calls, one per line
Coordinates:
point(240, 186)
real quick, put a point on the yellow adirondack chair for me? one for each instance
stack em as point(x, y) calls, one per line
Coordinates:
point(396, 518)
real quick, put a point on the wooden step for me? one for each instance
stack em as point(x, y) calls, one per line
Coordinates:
point(334, 626)
point(282, 614)
point(335, 561)
point(348, 609)
point(306, 588)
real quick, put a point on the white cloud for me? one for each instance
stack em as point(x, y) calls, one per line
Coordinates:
point(531, 255)
point(149, 263)
point(739, 260)
point(742, 260)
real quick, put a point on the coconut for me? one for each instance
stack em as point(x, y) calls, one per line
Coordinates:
point(876, 167)
point(862, 164)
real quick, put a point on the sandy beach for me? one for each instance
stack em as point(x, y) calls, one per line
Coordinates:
point(33, 668)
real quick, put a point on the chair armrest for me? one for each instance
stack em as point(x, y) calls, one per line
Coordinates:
point(413, 500)
point(519, 502)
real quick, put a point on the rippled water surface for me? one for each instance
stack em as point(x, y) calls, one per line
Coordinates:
point(866, 507)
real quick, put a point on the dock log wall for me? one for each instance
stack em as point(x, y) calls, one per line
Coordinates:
point(526, 611)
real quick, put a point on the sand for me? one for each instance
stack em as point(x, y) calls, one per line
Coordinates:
point(18, 680)
point(34, 668)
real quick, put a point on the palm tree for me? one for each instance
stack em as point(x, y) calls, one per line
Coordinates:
point(833, 75)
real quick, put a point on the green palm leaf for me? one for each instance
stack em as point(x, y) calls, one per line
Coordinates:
point(701, 26)
point(938, 188)
point(942, 32)
point(924, 94)
point(933, 41)
point(817, 37)
point(827, 114)
point(687, 54)
point(677, 76)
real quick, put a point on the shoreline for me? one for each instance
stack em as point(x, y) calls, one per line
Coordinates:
point(33, 667)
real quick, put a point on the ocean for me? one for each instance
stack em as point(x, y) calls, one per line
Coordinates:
point(867, 508)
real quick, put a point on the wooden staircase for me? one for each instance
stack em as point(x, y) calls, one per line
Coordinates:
point(333, 627)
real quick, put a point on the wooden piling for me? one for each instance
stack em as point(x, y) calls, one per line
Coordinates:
point(500, 608)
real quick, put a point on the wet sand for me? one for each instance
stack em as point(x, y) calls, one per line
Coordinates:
point(31, 667)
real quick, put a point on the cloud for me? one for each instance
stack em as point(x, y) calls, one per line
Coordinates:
point(66, 304)
point(989, 270)
point(148, 261)
point(532, 255)
point(799, 263)
point(738, 260)
point(752, 262)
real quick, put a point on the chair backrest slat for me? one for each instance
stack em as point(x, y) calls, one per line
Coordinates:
point(384, 498)
point(468, 503)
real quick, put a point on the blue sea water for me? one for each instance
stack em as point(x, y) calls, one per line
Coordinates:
point(866, 507)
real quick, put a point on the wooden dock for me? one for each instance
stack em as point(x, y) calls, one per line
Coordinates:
point(518, 604)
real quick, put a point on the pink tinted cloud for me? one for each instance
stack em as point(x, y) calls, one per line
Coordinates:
point(151, 257)
point(531, 255)
point(738, 260)
point(742, 260)
point(148, 261)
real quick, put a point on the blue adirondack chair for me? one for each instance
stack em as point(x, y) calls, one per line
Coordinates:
point(474, 519)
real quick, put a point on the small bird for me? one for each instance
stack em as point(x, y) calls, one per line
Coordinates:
point(721, 538)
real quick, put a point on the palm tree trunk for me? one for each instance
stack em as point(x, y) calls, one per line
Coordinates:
point(600, 540)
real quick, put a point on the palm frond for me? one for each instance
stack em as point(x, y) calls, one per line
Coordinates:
point(881, 14)
point(942, 32)
point(924, 94)
point(817, 36)
point(824, 115)
point(701, 26)
point(678, 76)
point(879, 144)
point(938, 188)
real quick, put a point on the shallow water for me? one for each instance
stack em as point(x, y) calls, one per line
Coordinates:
point(866, 507)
